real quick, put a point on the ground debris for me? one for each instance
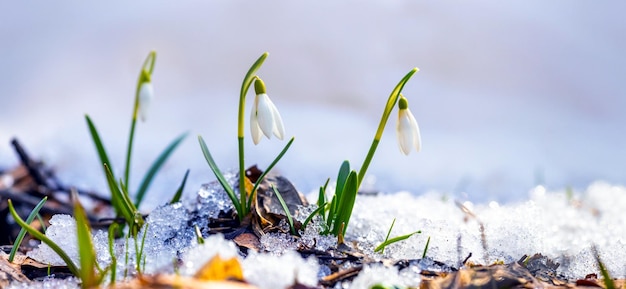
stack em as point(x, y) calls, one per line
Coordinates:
point(10, 272)
point(512, 275)
point(179, 282)
point(543, 268)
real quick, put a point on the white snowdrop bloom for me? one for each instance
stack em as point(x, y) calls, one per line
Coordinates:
point(265, 118)
point(407, 129)
point(146, 93)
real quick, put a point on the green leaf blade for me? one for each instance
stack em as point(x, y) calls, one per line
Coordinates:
point(179, 192)
point(286, 209)
point(85, 246)
point(119, 201)
point(269, 168)
point(155, 167)
point(346, 203)
point(38, 235)
point(20, 237)
point(220, 177)
point(394, 240)
point(102, 154)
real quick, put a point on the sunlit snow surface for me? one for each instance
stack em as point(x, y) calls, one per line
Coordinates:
point(561, 225)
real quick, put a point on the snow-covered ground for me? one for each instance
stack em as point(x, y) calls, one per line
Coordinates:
point(509, 96)
point(562, 226)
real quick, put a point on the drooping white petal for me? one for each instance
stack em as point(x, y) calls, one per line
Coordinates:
point(403, 129)
point(265, 114)
point(417, 139)
point(146, 93)
point(408, 132)
point(255, 130)
point(279, 128)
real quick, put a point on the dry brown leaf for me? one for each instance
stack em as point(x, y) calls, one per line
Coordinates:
point(248, 240)
point(218, 269)
point(179, 282)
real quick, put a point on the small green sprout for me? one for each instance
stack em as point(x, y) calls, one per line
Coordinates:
point(122, 204)
point(264, 120)
point(139, 250)
point(22, 233)
point(381, 248)
point(179, 192)
point(426, 248)
point(112, 230)
point(286, 209)
point(606, 277)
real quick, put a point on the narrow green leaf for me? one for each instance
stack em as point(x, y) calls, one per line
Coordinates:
point(332, 215)
point(346, 203)
point(42, 222)
point(388, 233)
point(155, 167)
point(179, 192)
point(342, 177)
point(139, 251)
point(22, 233)
point(112, 230)
point(117, 198)
point(426, 248)
point(269, 168)
point(286, 209)
point(394, 240)
point(310, 217)
point(86, 251)
point(606, 277)
point(220, 177)
point(131, 138)
point(39, 236)
point(321, 199)
point(102, 154)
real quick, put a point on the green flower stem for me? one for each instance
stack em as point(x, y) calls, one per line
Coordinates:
point(144, 75)
point(391, 102)
point(242, 179)
point(245, 85)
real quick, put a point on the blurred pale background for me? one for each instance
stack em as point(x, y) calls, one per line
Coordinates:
point(510, 94)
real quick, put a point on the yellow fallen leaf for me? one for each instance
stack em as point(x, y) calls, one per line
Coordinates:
point(218, 269)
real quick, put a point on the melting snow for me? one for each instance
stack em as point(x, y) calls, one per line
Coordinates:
point(562, 226)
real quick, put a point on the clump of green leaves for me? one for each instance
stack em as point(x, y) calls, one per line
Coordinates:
point(119, 188)
point(90, 274)
point(243, 204)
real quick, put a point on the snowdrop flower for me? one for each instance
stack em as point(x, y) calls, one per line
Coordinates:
point(407, 129)
point(146, 93)
point(265, 118)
